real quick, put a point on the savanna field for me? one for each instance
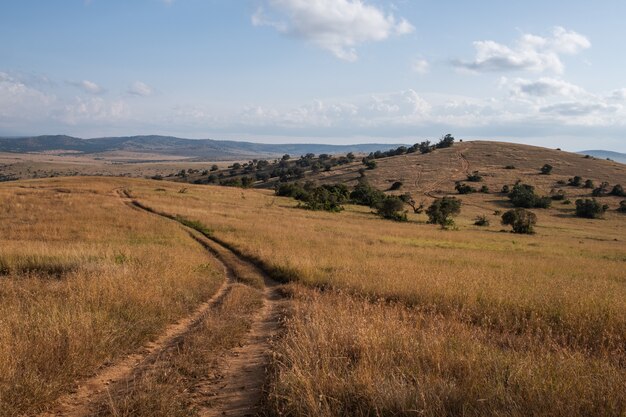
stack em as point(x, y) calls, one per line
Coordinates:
point(381, 318)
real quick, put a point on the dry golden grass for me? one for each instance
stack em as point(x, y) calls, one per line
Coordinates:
point(393, 318)
point(169, 387)
point(84, 281)
point(552, 304)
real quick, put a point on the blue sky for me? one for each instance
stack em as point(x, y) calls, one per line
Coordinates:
point(333, 71)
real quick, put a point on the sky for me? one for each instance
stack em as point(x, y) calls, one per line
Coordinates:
point(548, 73)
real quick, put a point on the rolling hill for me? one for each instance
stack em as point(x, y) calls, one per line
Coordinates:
point(205, 149)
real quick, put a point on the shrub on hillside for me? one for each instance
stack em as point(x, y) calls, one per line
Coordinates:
point(509, 167)
point(326, 197)
point(481, 221)
point(370, 164)
point(442, 210)
point(546, 169)
point(618, 191)
point(558, 196)
point(523, 195)
point(590, 208)
point(366, 195)
point(505, 189)
point(576, 181)
point(396, 186)
point(464, 188)
point(622, 206)
point(601, 191)
point(474, 177)
point(521, 220)
point(588, 184)
point(392, 208)
point(445, 142)
point(484, 189)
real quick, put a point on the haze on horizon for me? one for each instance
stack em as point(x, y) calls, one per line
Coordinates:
point(323, 71)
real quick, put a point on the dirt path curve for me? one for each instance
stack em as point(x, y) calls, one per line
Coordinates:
point(236, 388)
point(89, 391)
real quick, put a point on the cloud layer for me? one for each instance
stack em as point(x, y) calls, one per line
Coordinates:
point(529, 53)
point(337, 26)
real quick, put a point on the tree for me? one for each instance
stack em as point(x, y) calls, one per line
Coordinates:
point(590, 208)
point(214, 167)
point(474, 177)
point(622, 206)
point(408, 199)
point(396, 186)
point(618, 191)
point(523, 195)
point(366, 195)
point(601, 191)
point(588, 184)
point(546, 169)
point(445, 142)
point(576, 181)
point(350, 156)
point(286, 157)
point(441, 211)
point(370, 163)
point(391, 207)
point(464, 188)
point(521, 220)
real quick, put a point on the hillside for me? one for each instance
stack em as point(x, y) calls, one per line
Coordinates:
point(204, 149)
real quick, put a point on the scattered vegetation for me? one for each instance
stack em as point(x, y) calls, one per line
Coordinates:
point(546, 169)
point(523, 195)
point(590, 208)
point(521, 220)
point(442, 210)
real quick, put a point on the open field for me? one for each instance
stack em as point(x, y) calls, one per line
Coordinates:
point(385, 318)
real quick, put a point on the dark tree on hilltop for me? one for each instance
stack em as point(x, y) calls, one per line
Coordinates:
point(445, 142)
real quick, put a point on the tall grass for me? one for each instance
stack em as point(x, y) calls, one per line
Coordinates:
point(84, 281)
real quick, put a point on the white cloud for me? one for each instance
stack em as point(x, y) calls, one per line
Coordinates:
point(530, 53)
point(139, 88)
point(543, 87)
point(421, 66)
point(619, 95)
point(94, 109)
point(338, 26)
point(88, 87)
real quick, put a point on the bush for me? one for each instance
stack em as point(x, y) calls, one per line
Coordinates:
point(484, 189)
point(618, 191)
point(590, 208)
point(622, 206)
point(588, 184)
point(395, 186)
point(601, 191)
point(214, 167)
point(481, 221)
point(474, 177)
point(464, 188)
point(576, 181)
point(326, 197)
point(509, 167)
point(546, 169)
point(370, 163)
point(391, 207)
point(445, 142)
point(521, 220)
point(523, 195)
point(505, 189)
point(293, 190)
point(558, 196)
point(366, 195)
point(441, 211)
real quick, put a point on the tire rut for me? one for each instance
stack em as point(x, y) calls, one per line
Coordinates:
point(236, 387)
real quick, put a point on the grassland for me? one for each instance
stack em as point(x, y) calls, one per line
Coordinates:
point(81, 285)
point(387, 318)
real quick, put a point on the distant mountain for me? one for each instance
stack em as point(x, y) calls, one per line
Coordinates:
point(168, 145)
point(615, 156)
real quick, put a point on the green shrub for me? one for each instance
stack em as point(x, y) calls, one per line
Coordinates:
point(576, 181)
point(523, 195)
point(484, 189)
point(601, 191)
point(481, 221)
point(464, 188)
point(521, 220)
point(392, 208)
point(370, 164)
point(441, 211)
point(618, 191)
point(509, 167)
point(588, 184)
point(590, 208)
point(505, 189)
point(622, 206)
point(366, 195)
point(474, 177)
point(395, 186)
point(546, 169)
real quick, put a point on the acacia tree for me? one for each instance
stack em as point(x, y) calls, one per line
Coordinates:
point(441, 211)
point(521, 220)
